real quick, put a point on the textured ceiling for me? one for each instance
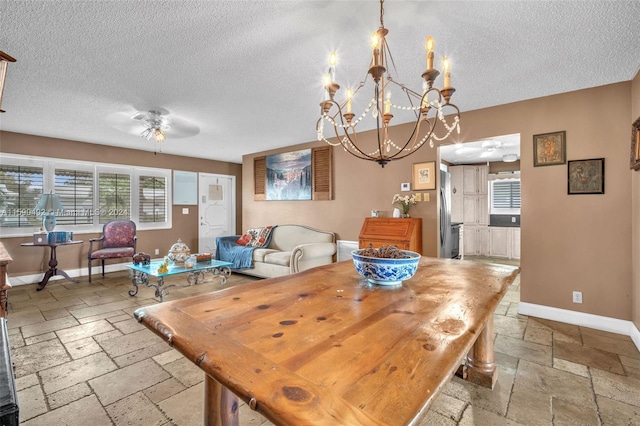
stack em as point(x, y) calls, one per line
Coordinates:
point(237, 77)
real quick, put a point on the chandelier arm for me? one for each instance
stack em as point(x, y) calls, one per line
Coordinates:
point(415, 133)
point(353, 149)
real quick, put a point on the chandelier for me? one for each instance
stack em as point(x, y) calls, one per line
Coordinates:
point(428, 107)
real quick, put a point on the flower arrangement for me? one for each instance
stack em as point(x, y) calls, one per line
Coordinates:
point(404, 202)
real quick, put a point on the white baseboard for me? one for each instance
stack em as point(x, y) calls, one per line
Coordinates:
point(612, 325)
point(96, 271)
point(635, 335)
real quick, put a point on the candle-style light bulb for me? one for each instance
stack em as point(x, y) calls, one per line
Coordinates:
point(387, 104)
point(430, 44)
point(326, 80)
point(375, 42)
point(446, 66)
point(333, 59)
point(349, 95)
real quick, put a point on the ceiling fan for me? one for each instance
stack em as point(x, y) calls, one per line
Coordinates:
point(155, 125)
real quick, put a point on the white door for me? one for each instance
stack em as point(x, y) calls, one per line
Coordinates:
point(217, 209)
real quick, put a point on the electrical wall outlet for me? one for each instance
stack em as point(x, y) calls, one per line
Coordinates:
point(577, 297)
point(157, 252)
point(513, 220)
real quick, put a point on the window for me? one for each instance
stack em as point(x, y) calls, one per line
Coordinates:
point(152, 199)
point(114, 196)
point(505, 196)
point(91, 194)
point(20, 189)
point(75, 188)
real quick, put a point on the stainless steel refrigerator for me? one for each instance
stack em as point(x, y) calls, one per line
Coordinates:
point(445, 215)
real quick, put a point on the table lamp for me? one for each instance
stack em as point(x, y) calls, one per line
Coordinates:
point(49, 204)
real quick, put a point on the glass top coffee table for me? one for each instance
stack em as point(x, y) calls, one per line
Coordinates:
point(195, 275)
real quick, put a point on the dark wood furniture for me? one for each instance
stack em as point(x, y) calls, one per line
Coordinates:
point(324, 347)
point(5, 259)
point(405, 233)
point(53, 262)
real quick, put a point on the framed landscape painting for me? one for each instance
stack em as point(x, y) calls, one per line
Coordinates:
point(289, 176)
point(586, 176)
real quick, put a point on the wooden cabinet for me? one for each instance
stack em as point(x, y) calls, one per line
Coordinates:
point(475, 179)
point(499, 242)
point(457, 193)
point(405, 233)
point(476, 240)
point(475, 210)
point(515, 243)
point(5, 259)
point(504, 242)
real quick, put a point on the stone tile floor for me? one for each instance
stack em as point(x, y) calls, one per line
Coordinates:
point(82, 359)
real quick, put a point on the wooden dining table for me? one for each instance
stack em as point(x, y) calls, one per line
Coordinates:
point(325, 347)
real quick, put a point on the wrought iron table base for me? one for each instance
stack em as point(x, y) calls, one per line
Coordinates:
point(194, 277)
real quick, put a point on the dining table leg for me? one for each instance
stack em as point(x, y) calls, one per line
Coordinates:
point(480, 367)
point(220, 404)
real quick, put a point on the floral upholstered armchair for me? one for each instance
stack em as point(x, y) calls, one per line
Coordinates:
point(118, 240)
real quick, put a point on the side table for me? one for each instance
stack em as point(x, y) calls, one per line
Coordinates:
point(53, 262)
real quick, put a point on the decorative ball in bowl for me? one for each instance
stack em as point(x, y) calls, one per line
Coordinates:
point(387, 265)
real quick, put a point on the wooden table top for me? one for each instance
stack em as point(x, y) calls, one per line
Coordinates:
point(324, 347)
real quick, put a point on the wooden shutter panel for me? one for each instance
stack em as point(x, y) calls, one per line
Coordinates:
point(322, 160)
point(260, 178)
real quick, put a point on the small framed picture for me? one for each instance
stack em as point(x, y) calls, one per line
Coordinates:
point(586, 176)
point(424, 176)
point(635, 145)
point(549, 149)
point(405, 186)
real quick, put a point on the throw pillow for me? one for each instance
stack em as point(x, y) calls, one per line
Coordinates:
point(259, 236)
point(244, 240)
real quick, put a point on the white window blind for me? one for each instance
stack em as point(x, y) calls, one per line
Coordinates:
point(20, 189)
point(152, 199)
point(505, 196)
point(91, 194)
point(76, 194)
point(114, 195)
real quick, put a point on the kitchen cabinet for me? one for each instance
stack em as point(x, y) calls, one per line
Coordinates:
point(504, 242)
point(515, 243)
point(475, 210)
point(457, 194)
point(499, 242)
point(475, 180)
point(475, 239)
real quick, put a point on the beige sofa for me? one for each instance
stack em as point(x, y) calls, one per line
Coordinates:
point(291, 249)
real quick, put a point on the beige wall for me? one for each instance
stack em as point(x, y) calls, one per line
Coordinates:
point(635, 185)
point(32, 260)
point(578, 242)
point(359, 187)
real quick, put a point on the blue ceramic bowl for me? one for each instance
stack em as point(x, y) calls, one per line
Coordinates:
point(382, 271)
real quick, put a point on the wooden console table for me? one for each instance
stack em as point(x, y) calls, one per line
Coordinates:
point(53, 262)
point(5, 259)
point(325, 347)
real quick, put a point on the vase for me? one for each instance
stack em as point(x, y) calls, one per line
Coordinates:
point(397, 213)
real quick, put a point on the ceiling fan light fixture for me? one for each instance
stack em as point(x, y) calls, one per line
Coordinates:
point(158, 136)
point(509, 158)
